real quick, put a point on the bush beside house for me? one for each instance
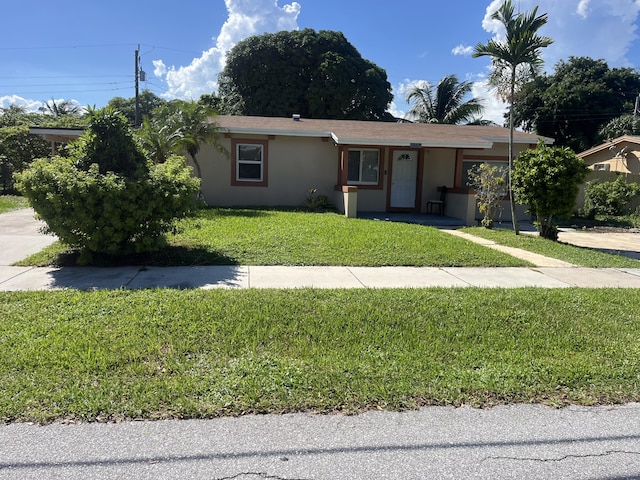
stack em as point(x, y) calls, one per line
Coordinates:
point(107, 197)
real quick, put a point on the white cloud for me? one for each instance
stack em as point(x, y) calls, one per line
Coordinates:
point(245, 18)
point(603, 29)
point(160, 69)
point(30, 105)
point(583, 8)
point(494, 108)
point(462, 50)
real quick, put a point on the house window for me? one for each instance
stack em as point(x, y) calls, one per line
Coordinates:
point(468, 165)
point(250, 163)
point(363, 167)
point(601, 167)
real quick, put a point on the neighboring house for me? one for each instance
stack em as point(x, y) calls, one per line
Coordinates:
point(610, 159)
point(56, 135)
point(619, 155)
point(395, 166)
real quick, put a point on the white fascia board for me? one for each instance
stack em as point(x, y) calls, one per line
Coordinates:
point(410, 143)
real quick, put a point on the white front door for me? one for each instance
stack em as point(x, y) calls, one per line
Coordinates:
point(404, 174)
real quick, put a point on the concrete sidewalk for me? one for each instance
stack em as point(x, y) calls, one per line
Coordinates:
point(20, 237)
point(238, 277)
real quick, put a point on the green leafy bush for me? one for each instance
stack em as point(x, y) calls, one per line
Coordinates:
point(317, 203)
point(547, 179)
point(608, 198)
point(107, 197)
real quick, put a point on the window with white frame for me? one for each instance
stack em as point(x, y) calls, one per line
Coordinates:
point(249, 162)
point(364, 167)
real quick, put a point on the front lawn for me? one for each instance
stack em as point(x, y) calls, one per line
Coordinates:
point(585, 257)
point(12, 202)
point(280, 237)
point(109, 355)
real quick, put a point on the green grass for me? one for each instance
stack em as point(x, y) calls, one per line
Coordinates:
point(154, 354)
point(12, 202)
point(277, 237)
point(585, 257)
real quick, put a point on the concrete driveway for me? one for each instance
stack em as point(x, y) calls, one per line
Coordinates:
point(621, 243)
point(20, 236)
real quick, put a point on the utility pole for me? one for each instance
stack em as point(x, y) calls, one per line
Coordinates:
point(636, 110)
point(137, 116)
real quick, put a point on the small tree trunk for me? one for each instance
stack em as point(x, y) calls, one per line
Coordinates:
point(512, 200)
point(197, 165)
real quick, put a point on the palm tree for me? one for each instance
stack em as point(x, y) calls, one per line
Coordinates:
point(160, 141)
point(179, 126)
point(443, 103)
point(514, 61)
point(65, 107)
point(195, 127)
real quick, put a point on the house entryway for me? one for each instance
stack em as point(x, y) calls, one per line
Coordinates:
point(404, 175)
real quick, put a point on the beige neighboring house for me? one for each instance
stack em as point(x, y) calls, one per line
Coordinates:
point(392, 167)
point(619, 155)
point(395, 167)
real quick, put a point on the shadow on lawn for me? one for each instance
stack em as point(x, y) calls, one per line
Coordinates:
point(169, 256)
point(253, 212)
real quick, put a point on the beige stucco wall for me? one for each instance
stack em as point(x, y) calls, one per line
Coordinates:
point(295, 165)
point(439, 170)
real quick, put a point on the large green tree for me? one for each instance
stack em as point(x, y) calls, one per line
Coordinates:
point(314, 74)
point(619, 126)
point(576, 101)
point(446, 102)
point(149, 102)
point(514, 60)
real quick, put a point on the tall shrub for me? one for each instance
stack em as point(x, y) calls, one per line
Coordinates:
point(547, 179)
point(107, 197)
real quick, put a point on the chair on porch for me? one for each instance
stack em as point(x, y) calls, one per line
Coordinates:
point(438, 203)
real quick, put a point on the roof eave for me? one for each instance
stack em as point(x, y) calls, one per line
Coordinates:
point(410, 143)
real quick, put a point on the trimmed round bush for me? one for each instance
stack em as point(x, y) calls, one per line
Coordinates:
point(107, 197)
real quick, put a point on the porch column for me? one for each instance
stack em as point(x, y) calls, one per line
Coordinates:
point(350, 194)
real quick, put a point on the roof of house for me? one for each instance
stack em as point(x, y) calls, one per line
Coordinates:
point(57, 134)
point(610, 144)
point(352, 132)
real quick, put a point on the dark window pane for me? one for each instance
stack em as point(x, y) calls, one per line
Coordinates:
point(249, 171)
point(250, 152)
point(353, 172)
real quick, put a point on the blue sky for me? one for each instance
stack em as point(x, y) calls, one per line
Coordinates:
point(84, 51)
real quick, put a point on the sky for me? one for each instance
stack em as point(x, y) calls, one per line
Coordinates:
point(84, 51)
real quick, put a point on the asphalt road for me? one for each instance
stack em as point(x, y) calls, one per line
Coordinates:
point(507, 442)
